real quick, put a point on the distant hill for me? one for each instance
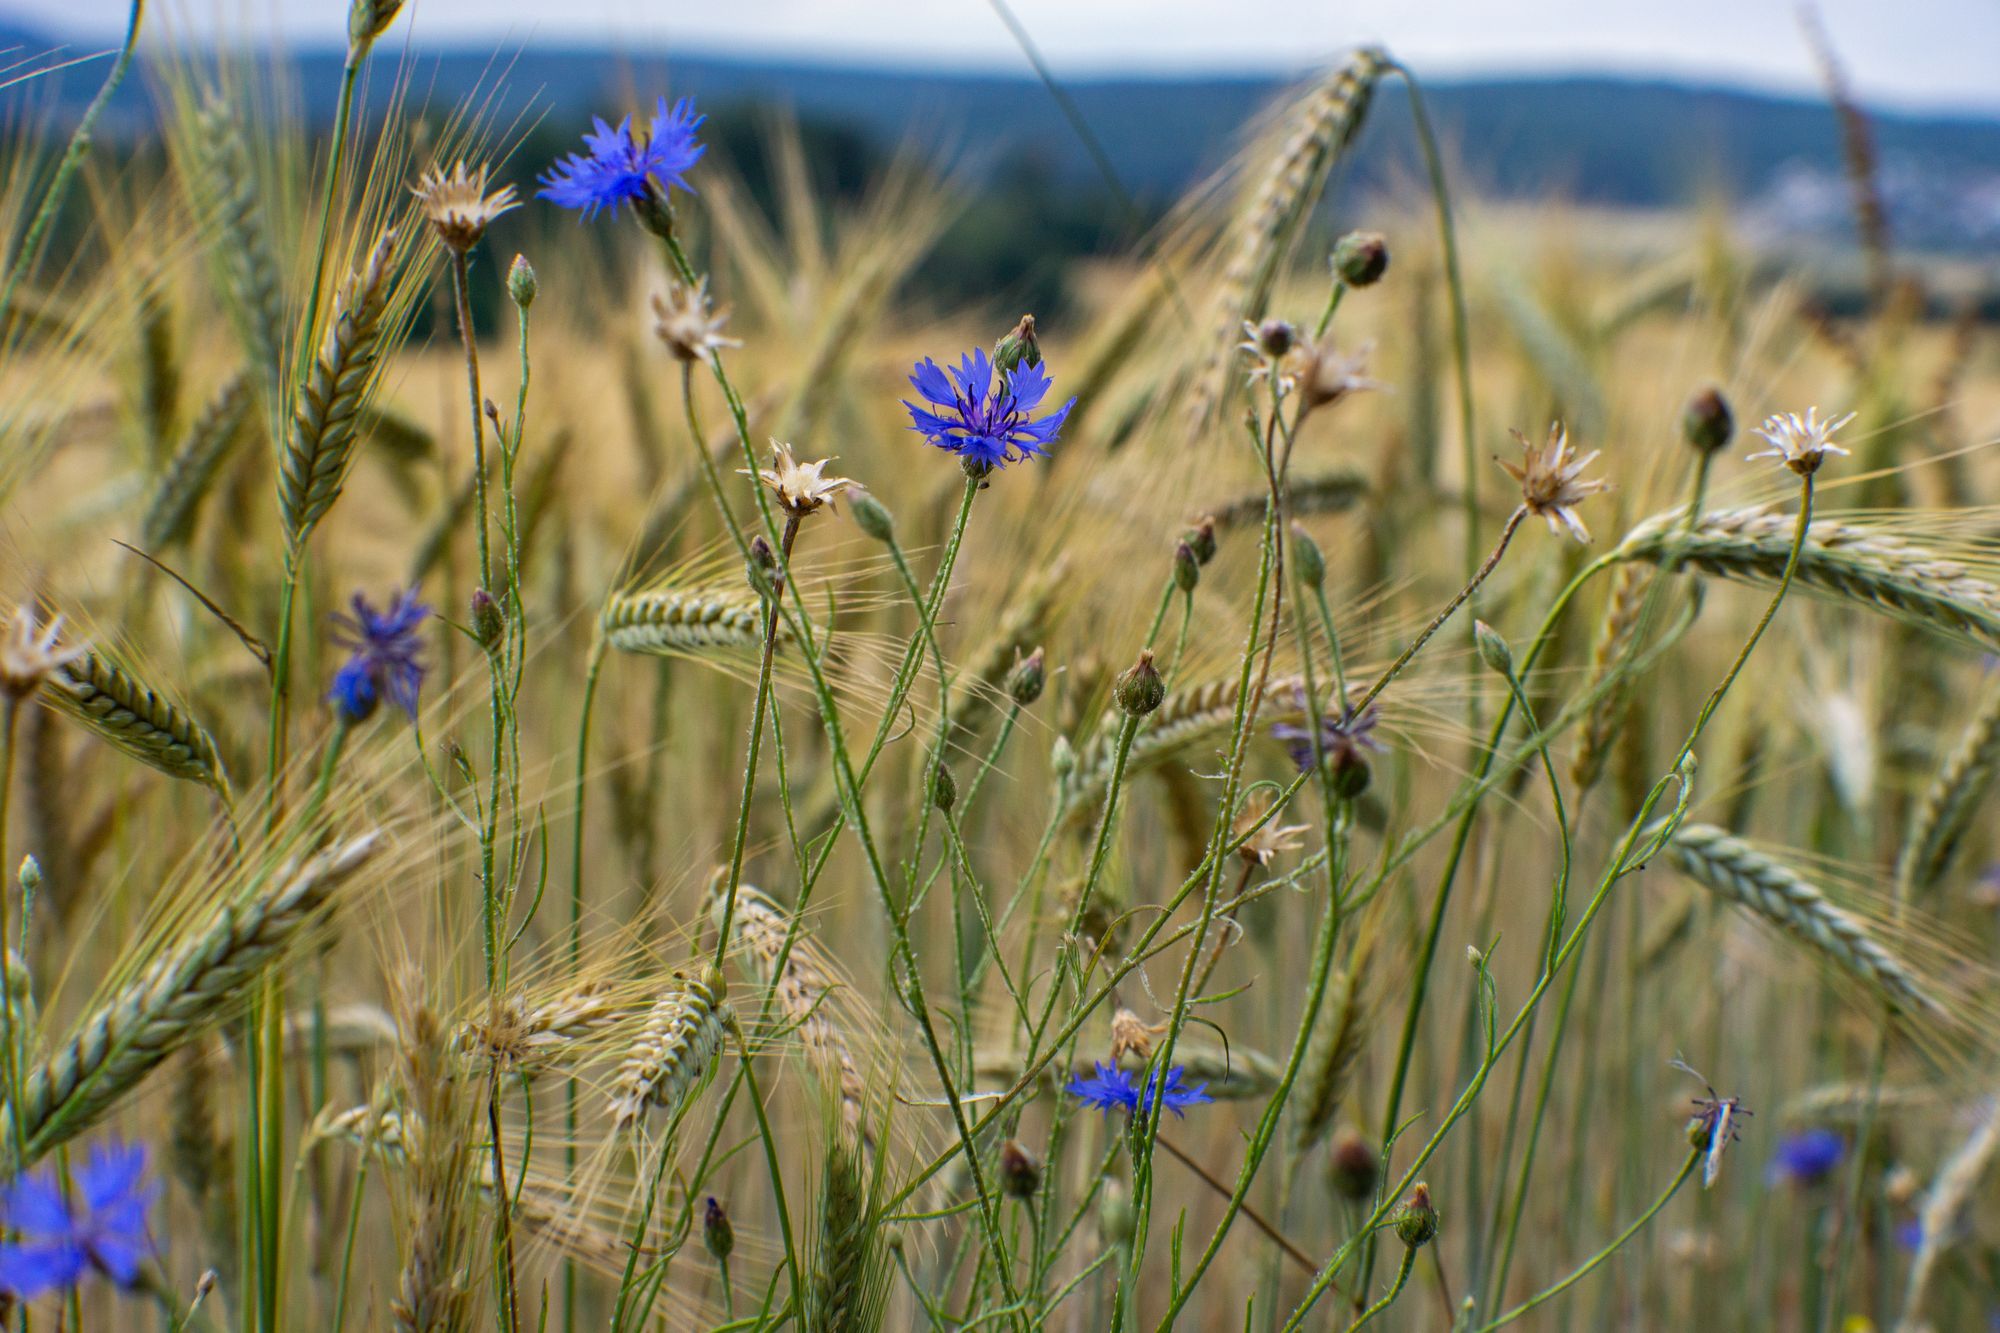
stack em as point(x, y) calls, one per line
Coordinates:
point(1612, 141)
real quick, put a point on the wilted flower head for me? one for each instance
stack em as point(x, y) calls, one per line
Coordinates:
point(1132, 1035)
point(384, 651)
point(1807, 1157)
point(683, 321)
point(1321, 374)
point(1342, 738)
point(800, 487)
point(1552, 482)
point(622, 166)
point(981, 416)
point(458, 206)
point(28, 655)
point(1801, 441)
point(100, 1226)
point(1111, 1088)
point(1271, 840)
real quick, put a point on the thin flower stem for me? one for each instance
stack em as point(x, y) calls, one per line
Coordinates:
point(1437, 622)
point(10, 712)
point(1389, 1296)
point(1638, 1224)
point(462, 300)
point(1277, 1237)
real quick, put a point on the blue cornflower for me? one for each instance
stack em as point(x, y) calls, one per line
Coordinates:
point(1807, 1157)
point(1342, 739)
point(103, 1227)
point(383, 650)
point(1111, 1088)
point(983, 421)
point(625, 167)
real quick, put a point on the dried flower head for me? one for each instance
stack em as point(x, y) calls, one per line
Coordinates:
point(1802, 442)
point(683, 321)
point(1321, 374)
point(1552, 481)
point(802, 488)
point(28, 655)
point(458, 206)
point(1270, 841)
point(1130, 1034)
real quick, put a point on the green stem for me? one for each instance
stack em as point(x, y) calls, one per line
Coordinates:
point(18, 1140)
point(1638, 1223)
point(1395, 1289)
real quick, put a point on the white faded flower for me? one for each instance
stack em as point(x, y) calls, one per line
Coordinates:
point(1270, 841)
point(1802, 442)
point(457, 205)
point(1320, 374)
point(1131, 1034)
point(683, 321)
point(801, 487)
point(27, 655)
point(1552, 481)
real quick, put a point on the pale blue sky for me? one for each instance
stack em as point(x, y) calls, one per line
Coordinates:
point(1914, 52)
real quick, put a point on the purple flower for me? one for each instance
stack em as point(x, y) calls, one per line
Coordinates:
point(1807, 1157)
point(622, 166)
point(1111, 1088)
point(383, 656)
point(1341, 739)
point(981, 420)
point(102, 1228)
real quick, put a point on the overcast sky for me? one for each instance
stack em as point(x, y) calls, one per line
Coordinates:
point(1931, 53)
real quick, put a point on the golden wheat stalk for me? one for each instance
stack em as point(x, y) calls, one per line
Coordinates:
point(691, 620)
point(1944, 1203)
point(136, 718)
point(1184, 719)
point(1614, 637)
point(1338, 1039)
point(186, 477)
point(1856, 563)
point(182, 994)
point(675, 1049)
point(1738, 872)
point(1939, 822)
point(324, 422)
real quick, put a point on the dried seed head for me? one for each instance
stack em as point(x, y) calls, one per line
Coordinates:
point(1353, 1166)
point(457, 205)
point(1552, 482)
point(1707, 423)
point(870, 516)
point(944, 787)
point(1028, 678)
point(521, 284)
point(801, 488)
point(1416, 1222)
point(1018, 347)
point(1801, 442)
point(718, 1237)
point(1321, 375)
point(1271, 840)
point(683, 321)
point(1020, 1173)
point(1132, 1036)
point(1139, 689)
point(1360, 258)
point(29, 654)
point(1187, 569)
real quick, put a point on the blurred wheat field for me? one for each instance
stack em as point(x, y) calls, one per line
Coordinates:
point(1109, 889)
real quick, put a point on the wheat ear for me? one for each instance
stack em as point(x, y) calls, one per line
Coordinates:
point(181, 995)
point(1943, 1204)
point(675, 1051)
point(1183, 719)
point(692, 620)
point(1846, 560)
point(187, 475)
point(1736, 871)
point(243, 249)
point(1614, 637)
point(316, 454)
point(848, 1281)
point(137, 719)
point(1940, 819)
point(1337, 1042)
